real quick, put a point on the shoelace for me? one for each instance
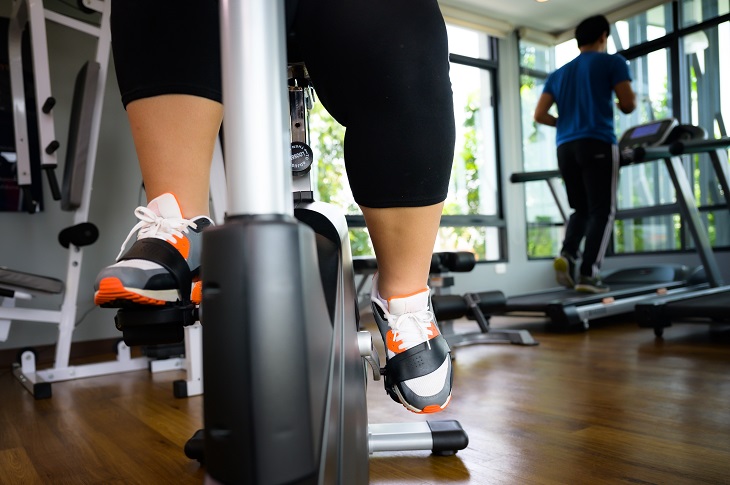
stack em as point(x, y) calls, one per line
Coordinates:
point(153, 225)
point(412, 328)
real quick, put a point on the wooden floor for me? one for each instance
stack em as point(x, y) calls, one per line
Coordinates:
point(612, 405)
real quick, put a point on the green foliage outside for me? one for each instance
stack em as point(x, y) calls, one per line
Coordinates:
point(466, 163)
point(328, 144)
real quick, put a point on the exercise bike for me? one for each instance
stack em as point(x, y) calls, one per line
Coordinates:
point(284, 363)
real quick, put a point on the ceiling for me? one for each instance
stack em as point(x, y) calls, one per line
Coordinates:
point(553, 16)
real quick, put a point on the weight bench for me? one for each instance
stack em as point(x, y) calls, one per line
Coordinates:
point(474, 306)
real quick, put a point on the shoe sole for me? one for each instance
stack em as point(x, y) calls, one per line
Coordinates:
point(113, 294)
point(562, 267)
point(430, 409)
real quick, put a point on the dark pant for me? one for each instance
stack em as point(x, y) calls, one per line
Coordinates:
point(590, 171)
point(379, 67)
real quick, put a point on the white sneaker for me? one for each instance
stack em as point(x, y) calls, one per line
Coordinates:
point(418, 360)
point(163, 264)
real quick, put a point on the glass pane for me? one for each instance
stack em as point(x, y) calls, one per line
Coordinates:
point(536, 56)
point(650, 25)
point(544, 241)
point(473, 187)
point(697, 11)
point(708, 68)
point(327, 141)
point(659, 233)
point(467, 42)
point(708, 71)
point(646, 184)
point(718, 227)
point(482, 241)
point(538, 141)
point(540, 204)
point(652, 85)
point(360, 242)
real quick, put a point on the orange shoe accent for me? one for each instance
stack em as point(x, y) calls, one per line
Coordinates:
point(433, 408)
point(182, 244)
point(111, 289)
point(196, 295)
point(393, 345)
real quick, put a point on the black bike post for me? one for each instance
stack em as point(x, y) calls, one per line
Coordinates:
point(258, 426)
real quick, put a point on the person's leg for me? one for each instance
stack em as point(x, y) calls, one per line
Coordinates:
point(167, 62)
point(570, 170)
point(399, 119)
point(382, 71)
point(600, 173)
point(174, 136)
point(403, 239)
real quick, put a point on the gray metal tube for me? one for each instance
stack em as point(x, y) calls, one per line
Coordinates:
point(399, 437)
point(257, 150)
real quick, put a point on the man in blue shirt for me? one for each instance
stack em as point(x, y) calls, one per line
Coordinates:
point(584, 91)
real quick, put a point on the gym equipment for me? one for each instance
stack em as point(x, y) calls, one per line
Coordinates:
point(703, 305)
point(569, 310)
point(476, 306)
point(284, 364)
point(75, 196)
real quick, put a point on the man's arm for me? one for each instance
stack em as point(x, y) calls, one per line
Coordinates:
point(626, 97)
point(541, 110)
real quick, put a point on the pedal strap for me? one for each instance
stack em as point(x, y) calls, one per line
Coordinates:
point(164, 254)
point(417, 361)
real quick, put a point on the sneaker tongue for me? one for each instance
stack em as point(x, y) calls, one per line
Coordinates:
point(165, 206)
point(412, 303)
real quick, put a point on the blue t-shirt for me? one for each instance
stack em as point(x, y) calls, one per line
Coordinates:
point(583, 89)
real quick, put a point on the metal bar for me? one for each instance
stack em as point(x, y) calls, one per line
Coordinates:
point(692, 218)
point(256, 121)
point(699, 146)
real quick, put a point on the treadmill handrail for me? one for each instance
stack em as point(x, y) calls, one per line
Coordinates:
point(522, 177)
point(648, 154)
point(699, 146)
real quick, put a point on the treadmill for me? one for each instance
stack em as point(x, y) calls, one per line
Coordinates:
point(708, 305)
point(569, 310)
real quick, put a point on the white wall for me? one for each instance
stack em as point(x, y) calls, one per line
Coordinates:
point(29, 242)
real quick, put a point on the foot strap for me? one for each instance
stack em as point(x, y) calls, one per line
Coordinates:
point(164, 254)
point(417, 361)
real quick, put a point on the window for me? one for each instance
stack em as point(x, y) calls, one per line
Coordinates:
point(650, 25)
point(707, 71)
point(544, 218)
point(679, 68)
point(697, 11)
point(472, 212)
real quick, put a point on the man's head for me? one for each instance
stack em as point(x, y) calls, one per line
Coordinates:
point(591, 30)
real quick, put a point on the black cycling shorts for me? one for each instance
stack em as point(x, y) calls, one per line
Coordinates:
point(380, 67)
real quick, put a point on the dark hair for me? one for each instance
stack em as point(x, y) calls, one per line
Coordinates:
point(591, 29)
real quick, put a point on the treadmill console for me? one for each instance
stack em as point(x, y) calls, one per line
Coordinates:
point(651, 134)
